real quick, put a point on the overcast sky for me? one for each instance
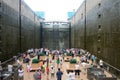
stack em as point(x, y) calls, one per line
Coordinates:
point(54, 9)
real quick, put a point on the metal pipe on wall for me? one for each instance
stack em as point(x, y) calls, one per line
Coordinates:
point(69, 35)
point(34, 33)
point(20, 26)
point(41, 34)
point(85, 28)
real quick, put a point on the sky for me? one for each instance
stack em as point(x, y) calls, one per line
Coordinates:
point(55, 10)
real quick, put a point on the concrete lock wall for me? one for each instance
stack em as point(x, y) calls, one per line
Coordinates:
point(101, 35)
point(10, 29)
point(77, 28)
point(55, 35)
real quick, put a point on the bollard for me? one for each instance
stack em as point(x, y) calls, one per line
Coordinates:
point(108, 68)
point(0, 71)
point(15, 58)
point(0, 66)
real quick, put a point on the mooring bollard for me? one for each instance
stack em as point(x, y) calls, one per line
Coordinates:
point(0, 71)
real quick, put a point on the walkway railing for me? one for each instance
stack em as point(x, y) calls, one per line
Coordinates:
point(12, 75)
point(9, 61)
point(111, 69)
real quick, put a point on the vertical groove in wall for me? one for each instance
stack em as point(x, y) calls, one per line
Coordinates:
point(85, 28)
point(20, 25)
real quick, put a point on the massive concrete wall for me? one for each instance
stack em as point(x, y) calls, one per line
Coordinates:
point(10, 29)
point(55, 35)
point(102, 29)
point(77, 28)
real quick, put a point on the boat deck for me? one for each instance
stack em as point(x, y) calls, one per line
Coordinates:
point(29, 75)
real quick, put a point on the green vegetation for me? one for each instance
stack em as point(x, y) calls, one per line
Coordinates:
point(73, 61)
point(35, 61)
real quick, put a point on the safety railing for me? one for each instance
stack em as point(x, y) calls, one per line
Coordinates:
point(11, 75)
point(109, 68)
